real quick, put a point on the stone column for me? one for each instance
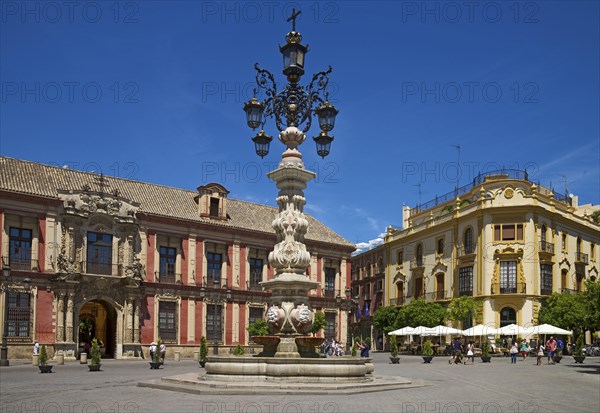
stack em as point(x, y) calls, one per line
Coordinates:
point(129, 321)
point(60, 319)
point(136, 321)
point(69, 329)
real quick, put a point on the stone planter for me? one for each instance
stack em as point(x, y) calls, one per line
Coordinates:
point(395, 360)
point(83, 358)
point(60, 359)
point(557, 359)
point(202, 363)
point(46, 368)
point(35, 359)
point(307, 346)
point(155, 365)
point(269, 344)
point(579, 359)
point(177, 356)
point(427, 359)
point(486, 359)
point(94, 367)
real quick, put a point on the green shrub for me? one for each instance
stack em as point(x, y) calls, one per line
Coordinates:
point(427, 348)
point(393, 347)
point(43, 360)
point(318, 323)
point(485, 349)
point(203, 349)
point(156, 358)
point(579, 346)
point(95, 353)
point(258, 328)
point(238, 350)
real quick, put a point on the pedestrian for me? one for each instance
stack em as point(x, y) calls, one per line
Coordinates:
point(327, 347)
point(163, 352)
point(551, 348)
point(540, 354)
point(470, 354)
point(152, 350)
point(560, 346)
point(36, 348)
point(513, 353)
point(524, 349)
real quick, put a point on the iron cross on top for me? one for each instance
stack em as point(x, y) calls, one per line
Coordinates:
point(293, 18)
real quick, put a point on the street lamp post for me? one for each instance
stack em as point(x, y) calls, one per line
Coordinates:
point(292, 109)
point(215, 296)
point(5, 281)
point(347, 304)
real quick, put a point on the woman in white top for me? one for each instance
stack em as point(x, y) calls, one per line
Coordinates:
point(470, 354)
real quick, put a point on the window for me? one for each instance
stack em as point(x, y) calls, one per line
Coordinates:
point(418, 287)
point(330, 327)
point(20, 249)
point(256, 313)
point(18, 314)
point(564, 242)
point(214, 207)
point(99, 253)
point(508, 232)
point(579, 286)
point(256, 272)
point(213, 322)
point(546, 281)
point(329, 282)
point(593, 251)
point(563, 279)
point(507, 316)
point(400, 258)
point(440, 288)
point(468, 241)
point(213, 267)
point(543, 234)
point(578, 246)
point(419, 255)
point(399, 293)
point(508, 276)
point(440, 246)
point(168, 257)
point(167, 320)
point(465, 281)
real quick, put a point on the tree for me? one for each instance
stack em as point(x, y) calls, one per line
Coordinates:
point(462, 308)
point(564, 310)
point(258, 328)
point(203, 349)
point(384, 319)
point(591, 301)
point(318, 323)
point(421, 313)
point(95, 352)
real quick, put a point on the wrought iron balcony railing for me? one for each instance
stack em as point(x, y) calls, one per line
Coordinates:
point(397, 301)
point(166, 277)
point(546, 247)
point(509, 288)
point(21, 263)
point(546, 291)
point(461, 251)
point(581, 258)
point(417, 263)
point(465, 292)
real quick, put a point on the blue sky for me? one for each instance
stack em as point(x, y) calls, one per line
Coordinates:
point(153, 91)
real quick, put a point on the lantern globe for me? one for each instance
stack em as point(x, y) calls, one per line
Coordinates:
point(326, 114)
point(254, 111)
point(323, 141)
point(261, 143)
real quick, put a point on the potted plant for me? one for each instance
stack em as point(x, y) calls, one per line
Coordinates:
point(238, 350)
point(156, 362)
point(95, 356)
point(485, 352)
point(203, 352)
point(394, 351)
point(44, 366)
point(578, 353)
point(427, 352)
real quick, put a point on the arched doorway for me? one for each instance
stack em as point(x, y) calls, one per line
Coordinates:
point(507, 316)
point(98, 319)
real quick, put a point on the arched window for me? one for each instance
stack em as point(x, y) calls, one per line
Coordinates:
point(507, 316)
point(440, 287)
point(419, 255)
point(563, 280)
point(468, 240)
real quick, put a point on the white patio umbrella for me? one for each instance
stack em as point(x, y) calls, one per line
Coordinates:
point(444, 331)
point(480, 330)
point(514, 330)
point(550, 329)
point(404, 331)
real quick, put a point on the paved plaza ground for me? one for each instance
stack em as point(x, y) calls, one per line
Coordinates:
point(495, 387)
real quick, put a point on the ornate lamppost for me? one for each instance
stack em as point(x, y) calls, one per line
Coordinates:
point(215, 296)
point(5, 289)
point(292, 108)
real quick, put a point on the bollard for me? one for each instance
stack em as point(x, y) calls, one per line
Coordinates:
point(60, 359)
point(177, 356)
point(83, 358)
point(35, 360)
point(196, 355)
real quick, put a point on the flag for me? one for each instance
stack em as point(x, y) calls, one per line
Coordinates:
point(357, 313)
point(366, 309)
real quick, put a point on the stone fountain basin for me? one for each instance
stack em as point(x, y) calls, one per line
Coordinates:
point(331, 369)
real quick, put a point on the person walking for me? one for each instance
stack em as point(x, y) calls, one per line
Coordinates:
point(36, 348)
point(513, 353)
point(470, 353)
point(152, 350)
point(551, 348)
point(540, 354)
point(524, 349)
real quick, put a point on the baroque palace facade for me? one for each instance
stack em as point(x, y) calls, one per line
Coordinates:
point(128, 262)
point(502, 239)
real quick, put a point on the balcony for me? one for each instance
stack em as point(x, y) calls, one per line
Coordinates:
point(568, 291)
point(166, 277)
point(546, 247)
point(509, 288)
point(101, 268)
point(416, 263)
point(581, 258)
point(253, 286)
point(435, 296)
point(21, 263)
point(461, 251)
point(328, 293)
point(465, 292)
point(546, 291)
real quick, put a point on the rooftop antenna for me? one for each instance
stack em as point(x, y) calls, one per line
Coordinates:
point(457, 147)
point(419, 191)
point(564, 177)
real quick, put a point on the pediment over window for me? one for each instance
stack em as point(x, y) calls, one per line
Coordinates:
point(212, 201)
point(439, 267)
point(399, 277)
point(99, 205)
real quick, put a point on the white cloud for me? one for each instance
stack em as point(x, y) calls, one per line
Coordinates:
point(366, 246)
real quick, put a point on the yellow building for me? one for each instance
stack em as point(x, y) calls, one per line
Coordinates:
point(502, 239)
